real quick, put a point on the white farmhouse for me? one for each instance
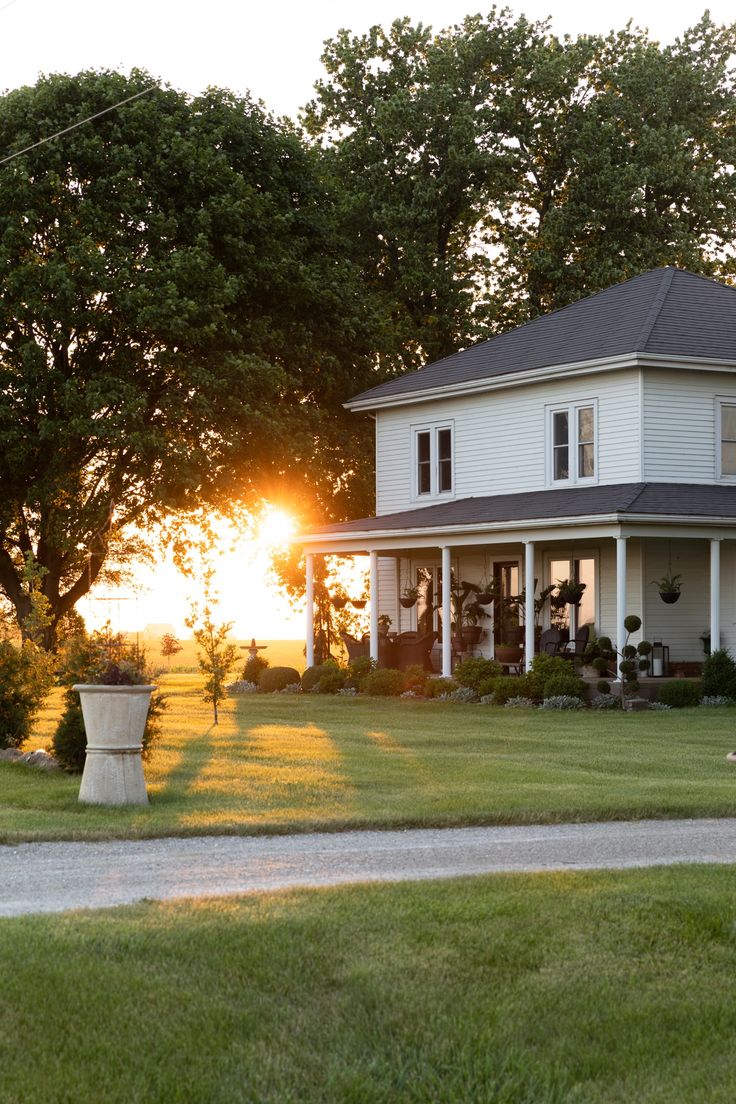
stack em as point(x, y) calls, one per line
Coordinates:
point(596, 443)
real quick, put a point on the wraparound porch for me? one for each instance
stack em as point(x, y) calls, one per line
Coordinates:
point(619, 561)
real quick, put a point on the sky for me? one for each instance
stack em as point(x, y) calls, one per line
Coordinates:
point(273, 51)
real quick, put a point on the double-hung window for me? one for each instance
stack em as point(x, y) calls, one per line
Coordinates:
point(726, 414)
point(571, 436)
point(433, 460)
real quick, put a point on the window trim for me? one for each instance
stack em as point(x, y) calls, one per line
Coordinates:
point(433, 428)
point(720, 402)
point(571, 409)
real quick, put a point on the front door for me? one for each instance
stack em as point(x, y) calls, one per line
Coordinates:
point(506, 625)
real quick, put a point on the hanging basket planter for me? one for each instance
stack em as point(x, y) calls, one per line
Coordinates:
point(339, 603)
point(669, 597)
point(484, 598)
point(570, 593)
point(359, 603)
point(407, 603)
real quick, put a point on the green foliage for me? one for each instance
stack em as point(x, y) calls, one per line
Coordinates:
point(253, 667)
point(23, 686)
point(472, 672)
point(178, 315)
point(719, 675)
point(415, 678)
point(311, 677)
point(567, 685)
point(436, 687)
point(170, 646)
point(331, 681)
point(216, 656)
point(507, 686)
point(276, 678)
point(384, 682)
point(603, 687)
point(632, 623)
point(680, 693)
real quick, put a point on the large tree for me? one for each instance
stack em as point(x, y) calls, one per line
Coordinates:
point(177, 318)
point(493, 171)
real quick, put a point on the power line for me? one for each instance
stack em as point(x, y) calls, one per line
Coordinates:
point(8, 5)
point(51, 137)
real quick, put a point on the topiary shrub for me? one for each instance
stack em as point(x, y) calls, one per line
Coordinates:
point(567, 684)
point(680, 693)
point(385, 682)
point(719, 675)
point(436, 687)
point(276, 678)
point(472, 672)
point(332, 680)
point(253, 667)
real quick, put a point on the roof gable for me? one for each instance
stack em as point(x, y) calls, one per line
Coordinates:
point(666, 311)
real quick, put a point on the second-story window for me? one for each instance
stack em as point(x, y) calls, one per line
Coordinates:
point(728, 440)
point(572, 443)
point(433, 460)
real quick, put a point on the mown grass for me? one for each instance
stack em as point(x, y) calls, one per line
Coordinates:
point(280, 763)
point(595, 988)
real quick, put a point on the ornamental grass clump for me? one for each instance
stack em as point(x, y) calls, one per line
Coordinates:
point(520, 703)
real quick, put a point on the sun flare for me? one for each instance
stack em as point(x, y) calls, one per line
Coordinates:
point(275, 528)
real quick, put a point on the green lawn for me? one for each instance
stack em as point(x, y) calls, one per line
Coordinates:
point(281, 763)
point(594, 988)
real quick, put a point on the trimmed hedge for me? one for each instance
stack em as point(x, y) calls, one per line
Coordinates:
point(476, 670)
point(276, 678)
point(383, 683)
point(680, 693)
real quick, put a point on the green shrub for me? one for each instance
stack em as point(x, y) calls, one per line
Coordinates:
point(415, 678)
point(680, 693)
point(332, 680)
point(436, 687)
point(21, 692)
point(276, 678)
point(506, 686)
point(69, 742)
point(385, 682)
point(719, 675)
point(568, 685)
point(472, 672)
point(358, 669)
point(311, 677)
point(253, 667)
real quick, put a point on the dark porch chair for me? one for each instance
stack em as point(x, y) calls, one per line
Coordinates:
point(550, 641)
point(575, 648)
point(356, 649)
point(411, 649)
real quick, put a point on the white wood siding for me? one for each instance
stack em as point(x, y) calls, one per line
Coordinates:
point(499, 438)
point(679, 423)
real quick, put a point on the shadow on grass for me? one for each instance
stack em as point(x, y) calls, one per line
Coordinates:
point(196, 753)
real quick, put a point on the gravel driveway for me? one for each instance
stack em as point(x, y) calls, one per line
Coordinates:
point(50, 877)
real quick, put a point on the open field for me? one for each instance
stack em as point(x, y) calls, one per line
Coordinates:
point(279, 653)
point(595, 988)
point(280, 763)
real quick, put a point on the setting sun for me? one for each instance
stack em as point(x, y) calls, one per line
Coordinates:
point(275, 528)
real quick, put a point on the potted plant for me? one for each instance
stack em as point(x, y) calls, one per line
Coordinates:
point(570, 592)
point(339, 601)
point(409, 597)
point(115, 703)
point(359, 603)
point(384, 624)
point(670, 588)
point(471, 632)
point(486, 592)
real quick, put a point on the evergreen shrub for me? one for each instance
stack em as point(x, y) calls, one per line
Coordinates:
point(384, 682)
point(719, 675)
point(679, 694)
point(472, 672)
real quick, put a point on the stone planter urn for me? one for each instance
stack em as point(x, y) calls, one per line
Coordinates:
point(114, 720)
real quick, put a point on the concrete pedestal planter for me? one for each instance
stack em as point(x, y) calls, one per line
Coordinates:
point(114, 720)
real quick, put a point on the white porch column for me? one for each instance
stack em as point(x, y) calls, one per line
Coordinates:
point(397, 579)
point(373, 586)
point(620, 593)
point(446, 612)
point(715, 594)
point(529, 589)
point(310, 609)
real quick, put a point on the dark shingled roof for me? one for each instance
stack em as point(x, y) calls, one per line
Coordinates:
point(666, 311)
point(686, 500)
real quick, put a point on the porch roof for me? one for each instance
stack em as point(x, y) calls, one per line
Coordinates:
point(624, 501)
